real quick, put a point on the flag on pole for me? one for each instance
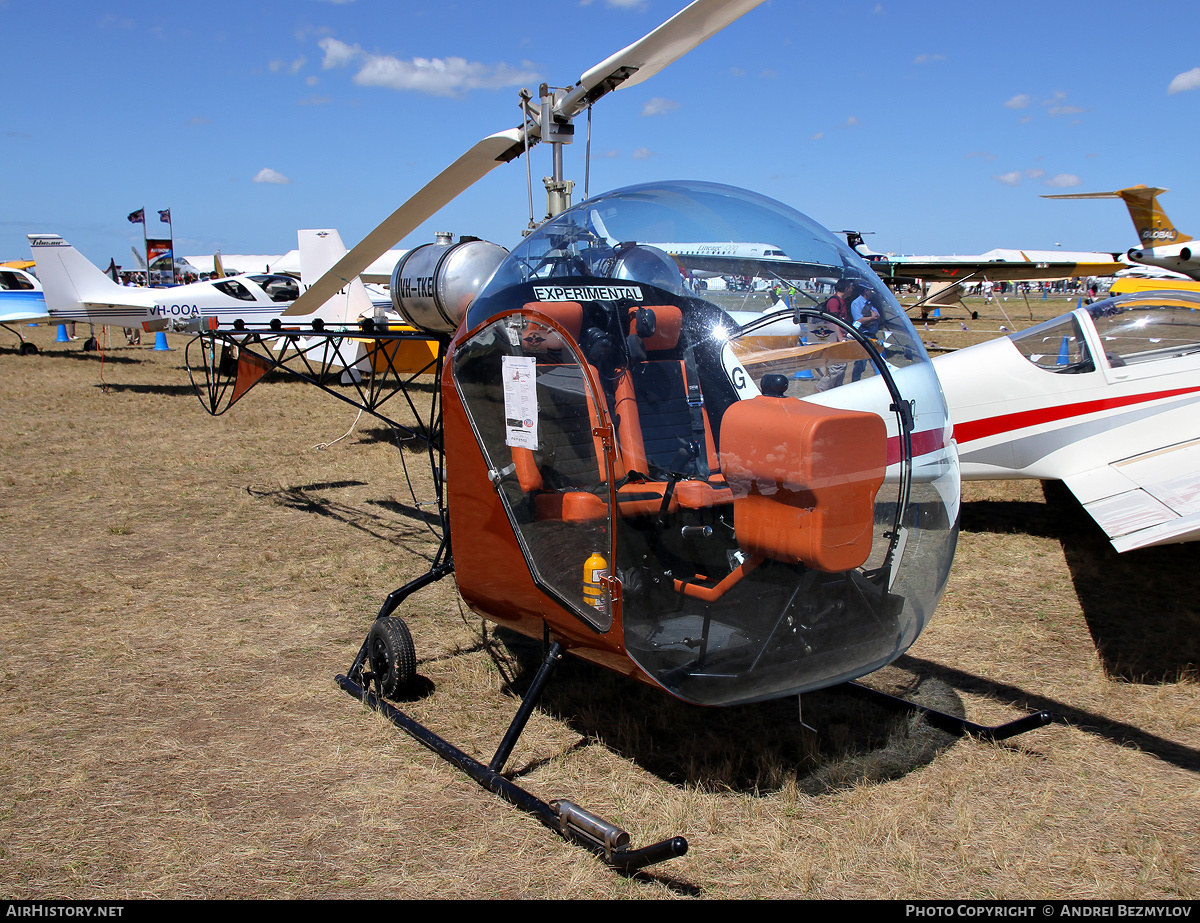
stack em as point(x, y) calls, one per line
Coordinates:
point(164, 215)
point(138, 217)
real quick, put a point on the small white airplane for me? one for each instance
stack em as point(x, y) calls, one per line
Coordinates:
point(1105, 398)
point(1161, 244)
point(21, 302)
point(76, 290)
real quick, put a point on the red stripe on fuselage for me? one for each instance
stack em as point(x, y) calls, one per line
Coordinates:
point(923, 443)
point(1005, 423)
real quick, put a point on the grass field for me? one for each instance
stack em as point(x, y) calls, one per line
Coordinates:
point(177, 593)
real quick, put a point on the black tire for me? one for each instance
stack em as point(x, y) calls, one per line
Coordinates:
point(90, 345)
point(29, 349)
point(392, 654)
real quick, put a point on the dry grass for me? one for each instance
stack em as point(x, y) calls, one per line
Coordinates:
point(177, 593)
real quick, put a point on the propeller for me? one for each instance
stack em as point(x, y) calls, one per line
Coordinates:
point(681, 33)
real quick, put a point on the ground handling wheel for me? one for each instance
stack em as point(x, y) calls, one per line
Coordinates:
point(392, 654)
point(29, 349)
point(90, 345)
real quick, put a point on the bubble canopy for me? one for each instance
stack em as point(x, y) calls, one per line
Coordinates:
point(717, 439)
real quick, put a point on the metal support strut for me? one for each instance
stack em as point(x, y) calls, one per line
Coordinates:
point(521, 718)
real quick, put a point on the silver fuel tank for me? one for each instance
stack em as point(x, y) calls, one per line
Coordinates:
point(433, 284)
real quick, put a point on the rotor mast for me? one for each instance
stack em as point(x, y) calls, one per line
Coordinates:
point(554, 120)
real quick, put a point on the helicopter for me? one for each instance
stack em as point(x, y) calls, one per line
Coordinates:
point(728, 505)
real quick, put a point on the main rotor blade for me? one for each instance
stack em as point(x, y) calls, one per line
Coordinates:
point(476, 163)
point(688, 28)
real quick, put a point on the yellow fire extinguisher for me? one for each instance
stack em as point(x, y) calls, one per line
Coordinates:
point(595, 568)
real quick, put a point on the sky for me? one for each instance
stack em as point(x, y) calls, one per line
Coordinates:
point(936, 125)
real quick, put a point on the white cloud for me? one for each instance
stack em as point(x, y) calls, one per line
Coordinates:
point(986, 155)
point(659, 106)
point(1020, 101)
point(435, 76)
point(1063, 180)
point(1010, 179)
point(267, 175)
point(439, 76)
point(337, 54)
point(926, 58)
point(314, 100)
point(643, 153)
point(1188, 80)
point(1035, 173)
point(817, 137)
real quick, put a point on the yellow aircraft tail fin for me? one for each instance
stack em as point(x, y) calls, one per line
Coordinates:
point(1151, 222)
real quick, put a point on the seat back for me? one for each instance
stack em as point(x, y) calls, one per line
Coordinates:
point(568, 465)
point(656, 424)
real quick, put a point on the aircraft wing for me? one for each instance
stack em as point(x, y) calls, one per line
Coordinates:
point(1148, 499)
point(991, 270)
point(767, 268)
point(20, 317)
point(754, 357)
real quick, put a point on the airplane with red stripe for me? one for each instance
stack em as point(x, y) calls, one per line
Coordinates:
point(1105, 399)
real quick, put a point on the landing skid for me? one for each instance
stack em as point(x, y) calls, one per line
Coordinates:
point(567, 819)
point(952, 724)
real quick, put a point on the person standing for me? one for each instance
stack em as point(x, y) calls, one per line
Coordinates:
point(866, 319)
point(838, 304)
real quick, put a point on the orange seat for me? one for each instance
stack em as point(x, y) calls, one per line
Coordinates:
point(655, 424)
point(567, 476)
point(654, 428)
